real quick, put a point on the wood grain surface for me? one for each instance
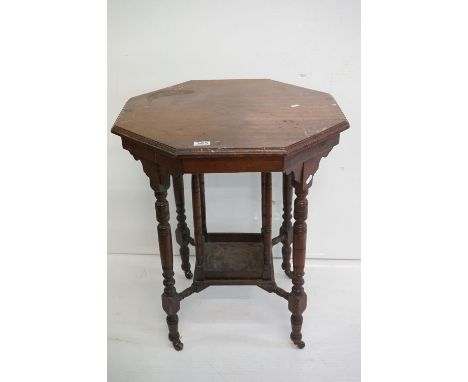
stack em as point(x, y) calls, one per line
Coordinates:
point(248, 116)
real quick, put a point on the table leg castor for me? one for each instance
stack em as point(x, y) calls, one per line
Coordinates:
point(176, 342)
point(300, 344)
point(288, 272)
point(297, 341)
point(188, 274)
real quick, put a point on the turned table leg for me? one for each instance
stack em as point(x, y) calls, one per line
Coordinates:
point(286, 227)
point(203, 203)
point(182, 230)
point(170, 301)
point(297, 301)
point(197, 225)
point(268, 273)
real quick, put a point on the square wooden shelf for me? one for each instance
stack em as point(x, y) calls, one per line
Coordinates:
point(233, 260)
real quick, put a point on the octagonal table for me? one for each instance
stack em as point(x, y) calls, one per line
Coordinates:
point(228, 126)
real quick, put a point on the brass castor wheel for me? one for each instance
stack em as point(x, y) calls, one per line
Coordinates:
point(288, 272)
point(188, 274)
point(177, 343)
point(297, 341)
point(300, 344)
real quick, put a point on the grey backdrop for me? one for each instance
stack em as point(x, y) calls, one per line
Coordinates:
point(314, 44)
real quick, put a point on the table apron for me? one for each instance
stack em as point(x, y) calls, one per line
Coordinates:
point(233, 164)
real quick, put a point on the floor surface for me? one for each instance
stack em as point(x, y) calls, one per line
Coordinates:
point(232, 333)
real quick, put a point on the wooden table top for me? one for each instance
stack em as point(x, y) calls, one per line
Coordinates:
point(216, 117)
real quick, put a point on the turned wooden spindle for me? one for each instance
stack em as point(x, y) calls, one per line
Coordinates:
point(286, 226)
point(203, 204)
point(170, 301)
point(298, 298)
point(197, 226)
point(266, 225)
point(182, 230)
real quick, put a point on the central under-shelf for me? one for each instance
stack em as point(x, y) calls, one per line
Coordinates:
point(233, 260)
point(233, 256)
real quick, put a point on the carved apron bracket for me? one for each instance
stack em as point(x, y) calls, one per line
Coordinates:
point(303, 173)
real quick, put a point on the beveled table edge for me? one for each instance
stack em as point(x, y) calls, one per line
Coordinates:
point(214, 152)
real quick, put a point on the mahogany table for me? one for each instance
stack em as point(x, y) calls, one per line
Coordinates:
point(228, 126)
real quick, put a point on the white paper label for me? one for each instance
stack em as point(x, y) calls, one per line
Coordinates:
point(201, 143)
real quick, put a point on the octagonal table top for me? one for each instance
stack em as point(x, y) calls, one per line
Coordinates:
point(230, 116)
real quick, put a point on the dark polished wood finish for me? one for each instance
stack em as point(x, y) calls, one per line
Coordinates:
point(197, 227)
point(200, 127)
point(182, 230)
point(266, 226)
point(203, 204)
point(286, 228)
point(237, 116)
point(298, 298)
point(159, 181)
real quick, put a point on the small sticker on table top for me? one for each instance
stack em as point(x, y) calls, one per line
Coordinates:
point(201, 143)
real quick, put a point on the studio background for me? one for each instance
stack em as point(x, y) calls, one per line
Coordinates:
point(314, 44)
